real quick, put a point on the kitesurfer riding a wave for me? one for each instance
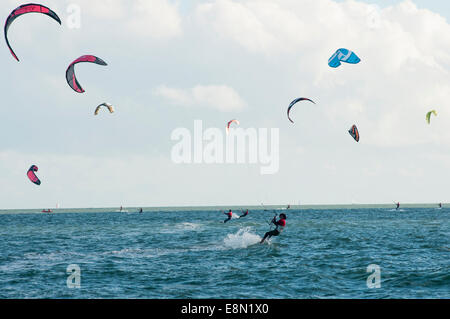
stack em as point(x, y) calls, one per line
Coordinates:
point(280, 224)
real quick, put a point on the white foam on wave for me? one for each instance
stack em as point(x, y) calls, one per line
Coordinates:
point(188, 226)
point(241, 239)
point(180, 227)
point(127, 251)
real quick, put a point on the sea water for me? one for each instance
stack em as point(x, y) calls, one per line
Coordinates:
point(191, 253)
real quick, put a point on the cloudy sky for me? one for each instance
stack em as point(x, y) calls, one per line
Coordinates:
point(173, 62)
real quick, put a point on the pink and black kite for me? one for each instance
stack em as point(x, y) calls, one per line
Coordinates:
point(70, 73)
point(32, 176)
point(26, 8)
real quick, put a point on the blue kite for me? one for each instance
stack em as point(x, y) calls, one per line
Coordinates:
point(343, 55)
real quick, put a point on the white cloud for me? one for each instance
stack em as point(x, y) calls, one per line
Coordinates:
point(134, 19)
point(219, 97)
point(256, 25)
point(154, 18)
point(106, 9)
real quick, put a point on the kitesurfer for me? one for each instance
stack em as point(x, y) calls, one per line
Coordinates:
point(398, 205)
point(140, 211)
point(244, 214)
point(280, 224)
point(229, 214)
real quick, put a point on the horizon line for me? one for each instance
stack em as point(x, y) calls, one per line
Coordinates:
point(257, 207)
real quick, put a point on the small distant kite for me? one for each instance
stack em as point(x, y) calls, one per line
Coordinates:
point(343, 55)
point(229, 124)
point(70, 72)
point(32, 176)
point(353, 131)
point(295, 102)
point(23, 9)
point(107, 105)
point(428, 116)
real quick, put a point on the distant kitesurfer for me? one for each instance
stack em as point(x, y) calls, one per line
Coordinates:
point(140, 211)
point(398, 205)
point(280, 224)
point(289, 206)
point(120, 208)
point(244, 214)
point(440, 205)
point(229, 214)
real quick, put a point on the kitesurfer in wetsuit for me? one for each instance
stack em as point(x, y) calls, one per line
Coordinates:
point(440, 205)
point(140, 211)
point(244, 214)
point(229, 214)
point(398, 206)
point(280, 224)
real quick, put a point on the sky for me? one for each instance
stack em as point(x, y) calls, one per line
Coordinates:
point(173, 62)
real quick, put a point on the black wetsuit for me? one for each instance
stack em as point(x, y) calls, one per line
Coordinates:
point(243, 215)
point(280, 224)
point(230, 215)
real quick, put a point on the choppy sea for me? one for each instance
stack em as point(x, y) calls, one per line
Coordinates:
point(190, 253)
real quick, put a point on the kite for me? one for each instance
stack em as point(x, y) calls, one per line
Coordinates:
point(429, 115)
point(343, 55)
point(107, 105)
point(32, 176)
point(70, 72)
point(353, 131)
point(23, 9)
point(230, 122)
point(295, 102)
